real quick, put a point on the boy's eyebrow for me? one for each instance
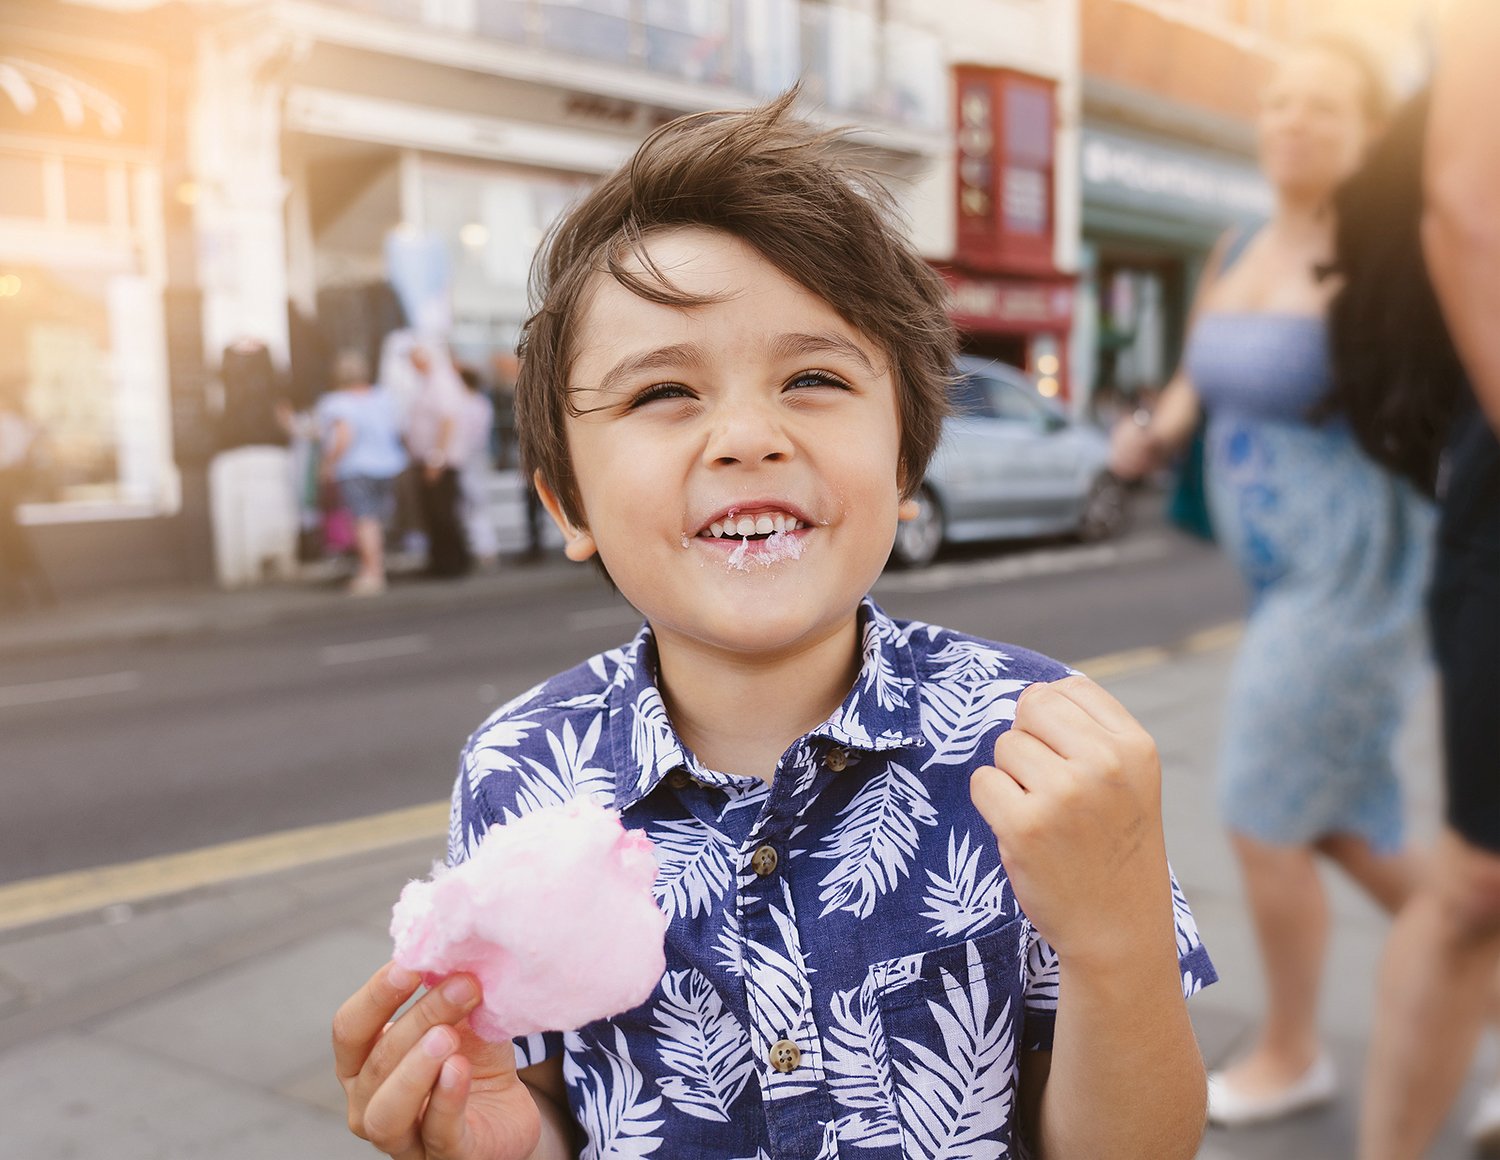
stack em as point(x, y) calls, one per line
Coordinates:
point(676, 355)
point(795, 345)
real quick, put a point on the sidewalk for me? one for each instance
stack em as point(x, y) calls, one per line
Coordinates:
point(173, 612)
point(196, 1027)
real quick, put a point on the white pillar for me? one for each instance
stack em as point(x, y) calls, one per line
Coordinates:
point(241, 195)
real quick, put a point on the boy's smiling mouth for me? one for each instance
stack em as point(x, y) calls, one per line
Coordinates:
point(751, 522)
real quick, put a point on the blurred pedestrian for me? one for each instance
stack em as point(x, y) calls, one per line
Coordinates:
point(22, 580)
point(476, 432)
point(433, 435)
point(362, 455)
point(507, 367)
point(1439, 966)
point(1335, 551)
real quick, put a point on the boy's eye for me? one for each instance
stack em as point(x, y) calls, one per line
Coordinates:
point(818, 379)
point(660, 391)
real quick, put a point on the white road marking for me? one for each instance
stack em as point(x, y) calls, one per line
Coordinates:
point(615, 616)
point(1043, 562)
point(69, 689)
point(373, 650)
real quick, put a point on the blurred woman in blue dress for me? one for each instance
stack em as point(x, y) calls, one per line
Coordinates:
point(1335, 552)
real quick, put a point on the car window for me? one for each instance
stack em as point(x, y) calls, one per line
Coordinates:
point(1008, 401)
point(972, 397)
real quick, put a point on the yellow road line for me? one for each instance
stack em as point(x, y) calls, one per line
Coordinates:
point(42, 899)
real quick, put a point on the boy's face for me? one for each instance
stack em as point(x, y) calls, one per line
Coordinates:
point(765, 406)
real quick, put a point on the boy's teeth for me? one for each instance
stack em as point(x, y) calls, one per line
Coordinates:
point(761, 525)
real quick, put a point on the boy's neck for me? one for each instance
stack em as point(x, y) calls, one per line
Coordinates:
point(738, 715)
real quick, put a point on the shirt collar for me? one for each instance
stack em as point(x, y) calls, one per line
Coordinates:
point(880, 713)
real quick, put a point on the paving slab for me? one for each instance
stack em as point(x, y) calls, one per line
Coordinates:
point(261, 1022)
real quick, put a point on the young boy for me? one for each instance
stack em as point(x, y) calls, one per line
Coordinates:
point(730, 390)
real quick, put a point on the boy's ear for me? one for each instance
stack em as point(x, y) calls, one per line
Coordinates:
point(910, 509)
point(578, 545)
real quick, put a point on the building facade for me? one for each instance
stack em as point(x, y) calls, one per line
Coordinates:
point(1167, 158)
point(250, 186)
point(1001, 206)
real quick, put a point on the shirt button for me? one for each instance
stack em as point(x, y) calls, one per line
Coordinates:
point(679, 779)
point(763, 861)
point(836, 759)
point(786, 1056)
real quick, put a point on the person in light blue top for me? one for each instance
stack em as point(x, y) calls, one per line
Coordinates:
point(1334, 551)
point(359, 427)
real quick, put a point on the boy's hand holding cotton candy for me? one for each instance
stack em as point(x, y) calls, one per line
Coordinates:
point(553, 914)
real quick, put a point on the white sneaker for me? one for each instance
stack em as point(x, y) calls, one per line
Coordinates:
point(1484, 1128)
point(1230, 1109)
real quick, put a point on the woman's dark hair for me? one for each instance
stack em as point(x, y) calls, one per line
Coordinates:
point(1397, 377)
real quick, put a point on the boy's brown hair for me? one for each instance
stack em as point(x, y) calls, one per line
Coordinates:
point(787, 190)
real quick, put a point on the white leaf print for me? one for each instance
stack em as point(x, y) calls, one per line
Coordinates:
point(695, 868)
point(489, 753)
point(556, 781)
point(1187, 925)
point(859, 1070)
point(957, 714)
point(874, 841)
point(1043, 970)
point(968, 661)
point(960, 902)
point(955, 1103)
point(652, 739)
point(881, 678)
point(610, 1109)
point(731, 952)
point(778, 988)
point(704, 1044)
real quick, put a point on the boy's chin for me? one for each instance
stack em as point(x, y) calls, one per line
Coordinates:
point(765, 629)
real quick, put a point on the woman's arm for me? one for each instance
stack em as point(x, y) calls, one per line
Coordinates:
point(1461, 228)
point(338, 445)
point(1138, 448)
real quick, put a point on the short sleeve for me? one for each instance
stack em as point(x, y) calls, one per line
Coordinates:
point(1042, 968)
point(534, 1049)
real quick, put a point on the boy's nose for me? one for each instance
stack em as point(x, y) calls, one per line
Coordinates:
point(747, 435)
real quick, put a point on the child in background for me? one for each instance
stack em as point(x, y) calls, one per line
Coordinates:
point(733, 382)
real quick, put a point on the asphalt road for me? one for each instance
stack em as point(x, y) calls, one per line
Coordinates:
point(154, 749)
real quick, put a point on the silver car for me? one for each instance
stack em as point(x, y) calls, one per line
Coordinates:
point(1010, 465)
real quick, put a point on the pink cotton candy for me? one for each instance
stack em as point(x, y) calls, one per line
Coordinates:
point(554, 916)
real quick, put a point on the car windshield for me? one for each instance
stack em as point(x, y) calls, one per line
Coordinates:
point(977, 395)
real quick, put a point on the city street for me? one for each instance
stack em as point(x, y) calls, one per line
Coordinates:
point(183, 1012)
point(135, 749)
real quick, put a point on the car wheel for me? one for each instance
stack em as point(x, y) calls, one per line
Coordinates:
point(1105, 509)
point(918, 540)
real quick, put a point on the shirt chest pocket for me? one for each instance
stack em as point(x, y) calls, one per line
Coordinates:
point(952, 1019)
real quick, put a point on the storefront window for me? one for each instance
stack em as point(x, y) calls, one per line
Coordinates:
point(83, 345)
point(492, 223)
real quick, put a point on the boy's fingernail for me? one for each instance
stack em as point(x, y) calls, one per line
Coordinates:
point(437, 1043)
point(459, 990)
point(401, 979)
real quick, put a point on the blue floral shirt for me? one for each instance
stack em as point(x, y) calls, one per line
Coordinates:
point(848, 973)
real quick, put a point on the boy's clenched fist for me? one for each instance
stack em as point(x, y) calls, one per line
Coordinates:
point(1074, 800)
